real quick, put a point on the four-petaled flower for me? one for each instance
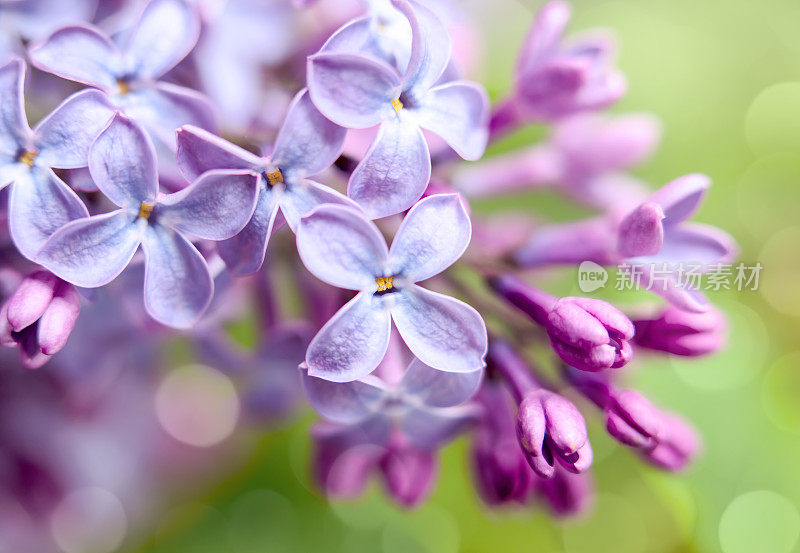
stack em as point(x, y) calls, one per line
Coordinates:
point(93, 251)
point(307, 144)
point(359, 91)
point(342, 247)
point(41, 202)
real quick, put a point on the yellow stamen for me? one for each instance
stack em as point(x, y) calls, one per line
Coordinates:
point(385, 283)
point(145, 210)
point(397, 104)
point(275, 177)
point(123, 86)
point(27, 157)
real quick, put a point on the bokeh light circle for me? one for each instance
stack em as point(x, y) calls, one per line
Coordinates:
point(89, 520)
point(760, 520)
point(197, 405)
point(781, 263)
point(772, 123)
point(780, 393)
point(613, 516)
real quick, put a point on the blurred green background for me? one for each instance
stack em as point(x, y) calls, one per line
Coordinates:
point(724, 77)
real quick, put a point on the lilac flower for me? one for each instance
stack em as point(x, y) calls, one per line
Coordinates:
point(396, 429)
point(343, 248)
point(357, 92)
point(555, 79)
point(38, 317)
point(40, 202)
point(677, 446)
point(587, 333)
point(165, 34)
point(656, 237)
point(307, 144)
point(34, 19)
point(93, 251)
point(682, 333)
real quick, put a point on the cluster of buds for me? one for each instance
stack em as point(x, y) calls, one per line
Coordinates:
point(135, 206)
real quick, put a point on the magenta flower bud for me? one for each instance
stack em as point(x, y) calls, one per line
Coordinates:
point(39, 317)
point(683, 333)
point(409, 473)
point(632, 420)
point(531, 301)
point(590, 334)
point(567, 494)
point(550, 427)
point(677, 446)
point(641, 232)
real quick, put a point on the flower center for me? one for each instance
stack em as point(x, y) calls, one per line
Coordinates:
point(27, 157)
point(123, 86)
point(145, 210)
point(396, 104)
point(385, 284)
point(274, 177)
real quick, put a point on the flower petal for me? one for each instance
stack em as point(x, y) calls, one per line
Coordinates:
point(432, 237)
point(459, 113)
point(439, 388)
point(65, 136)
point(341, 247)
point(40, 204)
point(37, 18)
point(353, 342)
point(122, 162)
point(165, 107)
point(394, 172)
point(696, 243)
point(344, 402)
point(93, 251)
point(441, 331)
point(215, 207)
point(430, 429)
point(13, 121)
point(299, 199)
point(352, 91)
point(307, 142)
point(244, 253)
point(681, 197)
point(430, 46)
point(544, 35)
point(200, 151)
point(177, 284)
point(79, 53)
point(165, 34)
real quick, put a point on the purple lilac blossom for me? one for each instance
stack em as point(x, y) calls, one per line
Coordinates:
point(92, 251)
point(40, 202)
point(343, 248)
point(357, 91)
point(306, 145)
point(129, 72)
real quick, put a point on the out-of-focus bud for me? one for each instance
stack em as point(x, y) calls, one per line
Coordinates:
point(567, 494)
point(641, 232)
point(550, 427)
point(633, 420)
point(590, 334)
point(677, 445)
point(682, 333)
point(409, 473)
point(39, 317)
point(340, 470)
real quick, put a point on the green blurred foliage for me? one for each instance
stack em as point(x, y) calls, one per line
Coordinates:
point(724, 76)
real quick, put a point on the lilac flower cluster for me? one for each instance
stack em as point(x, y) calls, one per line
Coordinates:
point(178, 167)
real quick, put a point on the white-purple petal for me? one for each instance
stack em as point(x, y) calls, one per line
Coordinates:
point(459, 113)
point(244, 253)
point(308, 142)
point(64, 137)
point(395, 170)
point(433, 235)
point(165, 34)
point(93, 251)
point(430, 46)
point(122, 162)
point(79, 53)
point(439, 388)
point(352, 91)
point(14, 130)
point(681, 197)
point(344, 402)
point(353, 342)
point(430, 429)
point(177, 285)
point(40, 204)
point(214, 207)
point(342, 247)
point(200, 151)
point(441, 331)
point(300, 198)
